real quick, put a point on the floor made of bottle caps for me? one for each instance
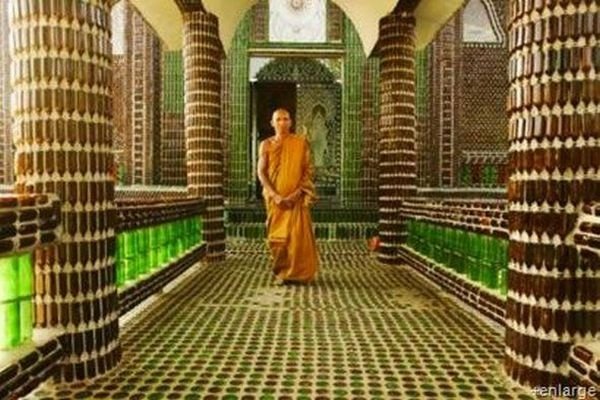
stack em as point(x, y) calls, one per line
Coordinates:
point(363, 330)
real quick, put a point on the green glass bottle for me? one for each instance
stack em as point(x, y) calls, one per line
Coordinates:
point(491, 278)
point(172, 240)
point(10, 326)
point(26, 319)
point(151, 248)
point(9, 278)
point(460, 252)
point(25, 262)
point(145, 252)
point(472, 256)
point(200, 231)
point(118, 257)
point(164, 245)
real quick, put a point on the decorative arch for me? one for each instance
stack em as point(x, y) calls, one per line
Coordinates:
point(481, 23)
point(297, 70)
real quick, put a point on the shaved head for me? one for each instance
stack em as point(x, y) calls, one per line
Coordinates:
point(281, 121)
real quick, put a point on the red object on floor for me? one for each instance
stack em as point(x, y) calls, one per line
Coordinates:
point(373, 243)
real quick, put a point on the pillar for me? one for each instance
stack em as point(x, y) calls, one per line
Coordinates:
point(204, 148)
point(397, 156)
point(61, 105)
point(6, 162)
point(554, 128)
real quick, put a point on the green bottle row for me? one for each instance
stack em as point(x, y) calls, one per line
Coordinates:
point(16, 303)
point(480, 258)
point(143, 251)
point(330, 231)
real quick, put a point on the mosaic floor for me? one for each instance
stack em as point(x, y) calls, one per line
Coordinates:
point(363, 330)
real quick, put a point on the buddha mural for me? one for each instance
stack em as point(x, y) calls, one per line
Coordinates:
point(317, 135)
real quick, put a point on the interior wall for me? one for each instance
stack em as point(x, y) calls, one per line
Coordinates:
point(137, 92)
point(461, 138)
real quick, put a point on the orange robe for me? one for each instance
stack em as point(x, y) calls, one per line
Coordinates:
point(290, 233)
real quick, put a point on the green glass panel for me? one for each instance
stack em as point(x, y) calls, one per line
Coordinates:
point(10, 329)
point(129, 246)
point(130, 269)
point(26, 319)
point(9, 278)
point(25, 275)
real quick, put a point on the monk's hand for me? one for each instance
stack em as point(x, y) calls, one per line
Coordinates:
point(277, 199)
point(294, 197)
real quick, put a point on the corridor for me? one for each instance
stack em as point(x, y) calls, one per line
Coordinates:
point(363, 330)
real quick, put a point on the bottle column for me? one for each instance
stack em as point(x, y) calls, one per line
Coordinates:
point(202, 67)
point(62, 130)
point(397, 157)
point(554, 155)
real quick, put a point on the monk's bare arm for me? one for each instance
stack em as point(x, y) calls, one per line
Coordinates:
point(263, 171)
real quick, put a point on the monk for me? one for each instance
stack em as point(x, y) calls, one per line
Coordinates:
point(285, 171)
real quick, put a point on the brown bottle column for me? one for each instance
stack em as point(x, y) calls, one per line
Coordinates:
point(62, 112)
point(554, 156)
point(202, 55)
point(397, 157)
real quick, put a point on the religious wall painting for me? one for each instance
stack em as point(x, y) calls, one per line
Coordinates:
point(298, 21)
point(319, 118)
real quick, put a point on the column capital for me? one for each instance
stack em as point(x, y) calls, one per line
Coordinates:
point(190, 5)
point(405, 6)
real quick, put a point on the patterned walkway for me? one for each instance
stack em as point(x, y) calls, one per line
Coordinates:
point(362, 331)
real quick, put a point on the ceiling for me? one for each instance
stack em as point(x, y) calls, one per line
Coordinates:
point(165, 17)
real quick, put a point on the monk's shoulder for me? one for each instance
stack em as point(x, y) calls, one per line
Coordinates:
point(264, 145)
point(267, 142)
point(301, 139)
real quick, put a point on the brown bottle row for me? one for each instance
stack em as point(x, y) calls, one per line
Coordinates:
point(69, 70)
point(91, 368)
point(540, 223)
point(571, 322)
point(197, 155)
point(196, 43)
point(533, 377)
point(574, 92)
point(61, 100)
point(202, 62)
point(590, 260)
point(211, 171)
point(554, 28)
point(73, 253)
point(519, 7)
point(50, 161)
point(551, 191)
point(563, 126)
point(551, 159)
point(572, 289)
point(47, 38)
point(58, 314)
point(61, 131)
point(536, 348)
point(82, 12)
point(85, 282)
point(94, 222)
point(561, 258)
point(208, 98)
point(408, 155)
point(85, 192)
point(551, 61)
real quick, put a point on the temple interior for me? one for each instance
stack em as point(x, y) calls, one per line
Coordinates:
point(456, 151)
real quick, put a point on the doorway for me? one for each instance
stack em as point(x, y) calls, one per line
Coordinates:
point(266, 98)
